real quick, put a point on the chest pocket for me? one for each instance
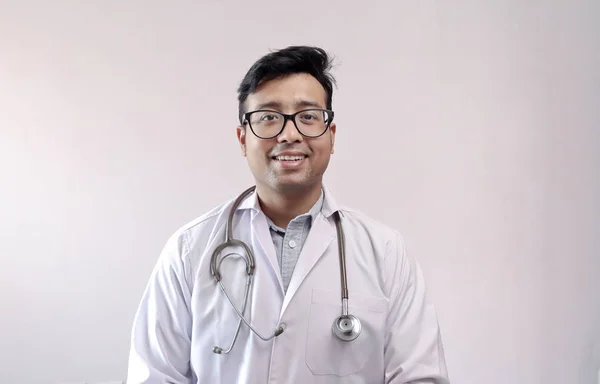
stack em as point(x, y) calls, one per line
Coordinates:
point(328, 355)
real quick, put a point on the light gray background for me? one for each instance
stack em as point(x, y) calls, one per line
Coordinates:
point(471, 126)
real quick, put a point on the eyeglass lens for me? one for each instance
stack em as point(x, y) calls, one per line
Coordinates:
point(310, 122)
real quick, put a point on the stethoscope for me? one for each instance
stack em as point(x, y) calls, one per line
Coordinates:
point(345, 327)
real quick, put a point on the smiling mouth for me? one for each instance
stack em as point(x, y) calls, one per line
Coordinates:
point(289, 158)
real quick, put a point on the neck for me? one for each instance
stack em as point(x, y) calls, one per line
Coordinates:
point(283, 207)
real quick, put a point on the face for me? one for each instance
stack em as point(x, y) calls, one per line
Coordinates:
point(306, 159)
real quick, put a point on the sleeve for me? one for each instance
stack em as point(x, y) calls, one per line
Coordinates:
point(413, 352)
point(161, 335)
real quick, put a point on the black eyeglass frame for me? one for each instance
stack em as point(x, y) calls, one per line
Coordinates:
point(286, 117)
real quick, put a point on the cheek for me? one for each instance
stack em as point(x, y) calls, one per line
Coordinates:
point(323, 148)
point(256, 152)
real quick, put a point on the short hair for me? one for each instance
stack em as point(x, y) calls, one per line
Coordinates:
point(291, 60)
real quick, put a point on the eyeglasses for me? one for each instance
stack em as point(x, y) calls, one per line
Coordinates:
point(267, 124)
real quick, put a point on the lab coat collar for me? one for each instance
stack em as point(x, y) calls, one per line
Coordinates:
point(319, 238)
point(330, 206)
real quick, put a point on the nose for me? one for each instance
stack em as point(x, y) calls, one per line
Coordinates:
point(289, 134)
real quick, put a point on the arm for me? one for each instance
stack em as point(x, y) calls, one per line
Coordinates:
point(160, 340)
point(414, 353)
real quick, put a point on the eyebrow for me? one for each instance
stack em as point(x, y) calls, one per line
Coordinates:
point(298, 104)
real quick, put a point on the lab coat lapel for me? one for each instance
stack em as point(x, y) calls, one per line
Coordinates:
point(264, 240)
point(319, 238)
point(261, 237)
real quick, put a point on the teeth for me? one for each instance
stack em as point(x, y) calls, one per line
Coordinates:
point(289, 158)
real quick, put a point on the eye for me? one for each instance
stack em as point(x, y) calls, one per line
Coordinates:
point(310, 116)
point(268, 117)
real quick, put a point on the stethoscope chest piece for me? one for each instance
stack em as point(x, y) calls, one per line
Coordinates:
point(346, 327)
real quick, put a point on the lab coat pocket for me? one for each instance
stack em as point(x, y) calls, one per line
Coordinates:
point(328, 355)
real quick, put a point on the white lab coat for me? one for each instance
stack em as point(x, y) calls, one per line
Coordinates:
point(183, 313)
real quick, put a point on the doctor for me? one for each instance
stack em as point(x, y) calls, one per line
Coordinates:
point(327, 294)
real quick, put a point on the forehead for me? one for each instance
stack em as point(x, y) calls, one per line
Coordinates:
point(289, 93)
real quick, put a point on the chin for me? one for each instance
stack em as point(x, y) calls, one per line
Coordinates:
point(292, 185)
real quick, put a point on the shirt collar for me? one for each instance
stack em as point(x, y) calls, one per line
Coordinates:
point(326, 204)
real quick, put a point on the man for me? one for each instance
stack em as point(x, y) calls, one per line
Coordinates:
point(189, 329)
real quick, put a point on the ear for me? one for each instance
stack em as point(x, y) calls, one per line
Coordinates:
point(332, 128)
point(241, 136)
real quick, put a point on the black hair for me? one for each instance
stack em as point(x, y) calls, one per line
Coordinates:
point(291, 60)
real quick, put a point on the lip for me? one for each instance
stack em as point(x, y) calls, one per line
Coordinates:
point(289, 164)
point(289, 153)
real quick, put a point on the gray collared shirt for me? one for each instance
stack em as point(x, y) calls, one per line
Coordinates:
point(289, 242)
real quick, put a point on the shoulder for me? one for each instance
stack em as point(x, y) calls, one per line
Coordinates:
point(205, 224)
point(187, 243)
point(382, 236)
point(198, 229)
point(368, 224)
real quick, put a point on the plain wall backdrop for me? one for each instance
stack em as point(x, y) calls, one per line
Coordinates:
point(473, 127)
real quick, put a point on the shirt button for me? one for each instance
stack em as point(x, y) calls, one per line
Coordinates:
point(292, 244)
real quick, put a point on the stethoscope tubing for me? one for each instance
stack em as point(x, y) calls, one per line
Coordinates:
point(346, 327)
